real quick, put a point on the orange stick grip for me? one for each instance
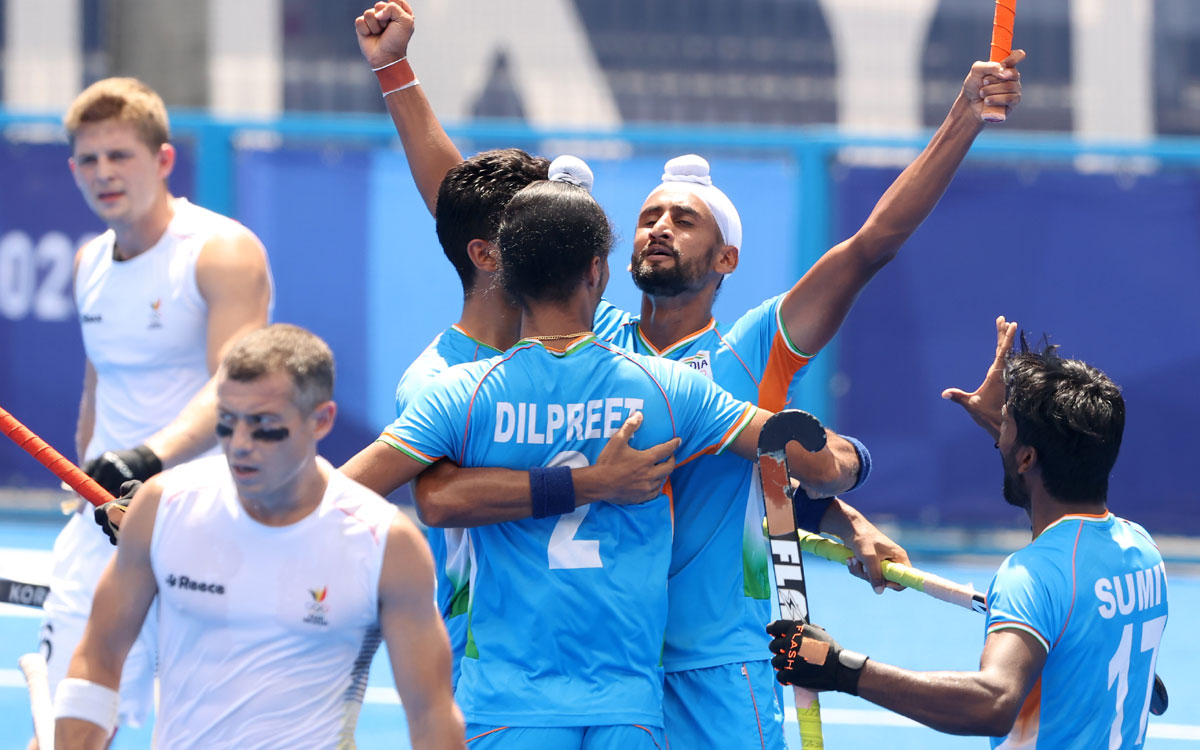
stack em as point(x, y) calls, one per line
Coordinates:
point(52, 460)
point(1002, 34)
point(1002, 29)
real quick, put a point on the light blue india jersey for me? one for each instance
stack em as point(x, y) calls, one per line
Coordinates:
point(720, 585)
point(1093, 591)
point(453, 346)
point(566, 614)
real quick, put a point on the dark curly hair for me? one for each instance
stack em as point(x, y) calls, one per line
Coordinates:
point(472, 196)
point(549, 235)
point(1072, 414)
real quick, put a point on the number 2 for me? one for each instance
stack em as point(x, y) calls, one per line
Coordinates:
point(565, 552)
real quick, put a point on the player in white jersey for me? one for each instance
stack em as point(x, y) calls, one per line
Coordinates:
point(161, 296)
point(1074, 619)
point(275, 574)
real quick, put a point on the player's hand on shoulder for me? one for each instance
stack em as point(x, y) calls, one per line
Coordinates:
point(807, 656)
point(984, 404)
point(383, 32)
point(110, 515)
point(625, 475)
point(112, 469)
point(994, 84)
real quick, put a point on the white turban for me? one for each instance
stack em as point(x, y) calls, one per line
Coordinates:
point(572, 170)
point(692, 172)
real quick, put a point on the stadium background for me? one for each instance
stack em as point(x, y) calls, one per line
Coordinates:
point(1080, 218)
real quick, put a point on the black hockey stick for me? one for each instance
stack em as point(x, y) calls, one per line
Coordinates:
point(777, 432)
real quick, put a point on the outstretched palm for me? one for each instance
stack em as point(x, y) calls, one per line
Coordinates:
point(984, 404)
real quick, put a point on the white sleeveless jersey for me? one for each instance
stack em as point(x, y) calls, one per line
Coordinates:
point(145, 328)
point(265, 634)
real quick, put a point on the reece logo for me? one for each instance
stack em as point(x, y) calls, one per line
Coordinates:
point(187, 584)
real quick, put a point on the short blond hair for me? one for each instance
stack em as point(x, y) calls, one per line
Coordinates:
point(125, 100)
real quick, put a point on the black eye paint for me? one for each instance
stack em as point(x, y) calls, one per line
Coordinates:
point(262, 434)
point(275, 435)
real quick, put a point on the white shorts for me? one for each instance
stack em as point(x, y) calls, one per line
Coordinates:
point(79, 558)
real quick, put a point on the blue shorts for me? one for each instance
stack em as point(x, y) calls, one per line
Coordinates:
point(618, 737)
point(732, 707)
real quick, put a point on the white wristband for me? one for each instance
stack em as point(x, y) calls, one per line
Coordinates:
point(89, 701)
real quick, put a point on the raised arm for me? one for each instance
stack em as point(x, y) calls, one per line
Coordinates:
point(383, 34)
point(416, 640)
point(815, 307)
point(984, 404)
point(123, 596)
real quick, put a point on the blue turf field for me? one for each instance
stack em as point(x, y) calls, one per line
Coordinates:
point(904, 628)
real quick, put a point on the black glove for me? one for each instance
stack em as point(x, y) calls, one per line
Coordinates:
point(128, 490)
point(812, 659)
point(113, 468)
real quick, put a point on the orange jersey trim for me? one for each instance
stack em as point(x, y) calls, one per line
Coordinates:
point(392, 441)
point(742, 422)
point(782, 365)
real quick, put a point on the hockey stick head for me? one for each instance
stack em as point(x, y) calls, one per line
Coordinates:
point(1158, 698)
point(789, 425)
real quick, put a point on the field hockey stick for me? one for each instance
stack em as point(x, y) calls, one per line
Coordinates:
point(24, 594)
point(910, 578)
point(962, 595)
point(1002, 34)
point(777, 432)
point(87, 487)
point(33, 666)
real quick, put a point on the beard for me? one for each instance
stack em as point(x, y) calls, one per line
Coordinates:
point(1015, 491)
point(671, 282)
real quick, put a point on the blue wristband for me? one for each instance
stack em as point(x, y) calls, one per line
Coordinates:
point(552, 491)
point(808, 510)
point(864, 461)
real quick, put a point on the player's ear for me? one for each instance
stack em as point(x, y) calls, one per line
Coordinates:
point(483, 254)
point(726, 260)
point(323, 416)
point(597, 275)
point(1027, 458)
point(166, 160)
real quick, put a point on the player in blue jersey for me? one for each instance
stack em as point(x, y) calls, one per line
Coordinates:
point(466, 198)
point(1075, 618)
point(470, 200)
point(719, 691)
point(568, 607)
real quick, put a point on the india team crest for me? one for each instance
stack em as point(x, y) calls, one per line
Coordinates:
point(156, 314)
point(701, 361)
